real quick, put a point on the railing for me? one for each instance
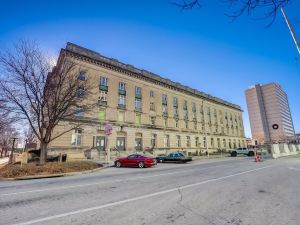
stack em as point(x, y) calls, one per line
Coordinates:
point(103, 88)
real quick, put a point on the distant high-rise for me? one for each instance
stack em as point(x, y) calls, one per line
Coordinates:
point(269, 113)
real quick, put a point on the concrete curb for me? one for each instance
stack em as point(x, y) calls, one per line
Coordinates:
point(53, 175)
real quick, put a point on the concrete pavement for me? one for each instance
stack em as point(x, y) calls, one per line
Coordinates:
point(217, 191)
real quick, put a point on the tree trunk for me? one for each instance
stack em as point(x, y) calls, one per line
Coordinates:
point(43, 155)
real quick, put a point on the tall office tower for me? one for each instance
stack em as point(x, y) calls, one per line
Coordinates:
point(269, 113)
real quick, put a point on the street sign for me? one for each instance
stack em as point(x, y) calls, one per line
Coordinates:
point(108, 129)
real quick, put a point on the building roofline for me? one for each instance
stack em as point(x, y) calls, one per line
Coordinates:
point(84, 52)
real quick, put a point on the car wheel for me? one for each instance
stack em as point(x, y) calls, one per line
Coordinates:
point(251, 153)
point(233, 154)
point(118, 164)
point(141, 164)
point(161, 160)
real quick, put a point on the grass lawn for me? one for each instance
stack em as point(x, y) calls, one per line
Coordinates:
point(31, 169)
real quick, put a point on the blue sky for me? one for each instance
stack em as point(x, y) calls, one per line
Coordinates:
point(199, 48)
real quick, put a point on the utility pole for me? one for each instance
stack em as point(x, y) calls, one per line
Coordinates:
point(12, 151)
point(296, 41)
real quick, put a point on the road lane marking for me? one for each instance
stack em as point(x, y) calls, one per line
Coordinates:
point(113, 181)
point(293, 168)
point(117, 203)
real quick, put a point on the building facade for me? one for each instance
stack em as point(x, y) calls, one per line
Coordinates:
point(148, 111)
point(269, 113)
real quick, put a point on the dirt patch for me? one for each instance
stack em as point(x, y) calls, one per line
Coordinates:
point(31, 169)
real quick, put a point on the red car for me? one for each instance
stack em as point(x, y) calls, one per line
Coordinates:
point(135, 160)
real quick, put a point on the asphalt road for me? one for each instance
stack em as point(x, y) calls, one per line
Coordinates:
point(223, 191)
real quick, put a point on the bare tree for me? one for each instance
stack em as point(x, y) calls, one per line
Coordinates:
point(4, 116)
point(41, 94)
point(267, 8)
point(6, 140)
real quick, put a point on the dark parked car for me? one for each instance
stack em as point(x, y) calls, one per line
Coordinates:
point(135, 160)
point(174, 157)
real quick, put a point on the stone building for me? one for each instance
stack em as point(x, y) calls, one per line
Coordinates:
point(148, 111)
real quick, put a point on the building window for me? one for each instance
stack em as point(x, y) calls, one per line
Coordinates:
point(215, 113)
point(164, 99)
point(175, 110)
point(186, 124)
point(138, 91)
point(221, 117)
point(212, 143)
point(152, 106)
point(138, 104)
point(153, 140)
point(80, 92)
point(184, 106)
point(204, 142)
point(229, 143)
point(175, 102)
point(167, 141)
point(197, 141)
point(76, 138)
point(78, 112)
point(188, 141)
point(218, 143)
point(195, 125)
point(122, 101)
point(103, 81)
point(194, 107)
point(122, 86)
point(137, 118)
point(121, 143)
point(103, 84)
point(152, 120)
point(201, 109)
point(164, 109)
point(224, 143)
point(121, 116)
point(208, 111)
point(103, 96)
point(176, 123)
point(185, 114)
point(99, 142)
point(102, 114)
point(178, 141)
point(165, 122)
point(82, 75)
point(151, 94)
point(138, 141)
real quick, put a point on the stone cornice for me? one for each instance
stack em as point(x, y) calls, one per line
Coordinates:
point(90, 56)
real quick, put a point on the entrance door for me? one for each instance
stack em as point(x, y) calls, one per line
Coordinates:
point(100, 143)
